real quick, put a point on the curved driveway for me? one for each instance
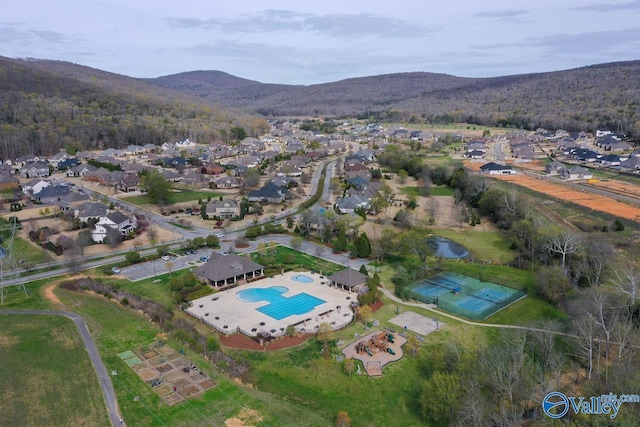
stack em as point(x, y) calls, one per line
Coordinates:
point(105, 382)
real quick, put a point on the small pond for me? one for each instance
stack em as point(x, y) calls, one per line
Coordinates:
point(446, 248)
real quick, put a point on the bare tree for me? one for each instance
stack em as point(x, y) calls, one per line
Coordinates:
point(584, 330)
point(73, 261)
point(564, 243)
point(82, 241)
point(113, 237)
point(432, 208)
point(626, 280)
point(598, 256)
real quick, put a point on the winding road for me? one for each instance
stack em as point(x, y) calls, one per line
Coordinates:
point(103, 377)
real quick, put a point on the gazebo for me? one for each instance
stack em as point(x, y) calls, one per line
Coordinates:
point(348, 280)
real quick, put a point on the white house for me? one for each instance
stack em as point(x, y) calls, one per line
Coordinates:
point(116, 221)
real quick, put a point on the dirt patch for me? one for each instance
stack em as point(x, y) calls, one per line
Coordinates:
point(247, 417)
point(164, 368)
point(6, 342)
point(149, 354)
point(147, 374)
point(243, 342)
point(48, 294)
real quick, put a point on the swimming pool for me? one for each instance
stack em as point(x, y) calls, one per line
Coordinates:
point(302, 278)
point(280, 306)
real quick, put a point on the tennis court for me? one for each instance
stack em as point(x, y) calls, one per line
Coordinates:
point(463, 295)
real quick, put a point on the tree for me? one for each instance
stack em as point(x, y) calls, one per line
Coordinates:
point(563, 242)
point(212, 241)
point(133, 257)
point(296, 243)
point(440, 397)
point(412, 346)
point(598, 254)
point(365, 314)
point(73, 261)
point(363, 246)
point(113, 237)
point(83, 240)
point(626, 281)
point(415, 242)
point(251, 177)
point(237, 133)
point(552, 283)
point(325, 335)
point(402, 176)
point(349, 366)
point(159, 190)
point(343, 419)
point(169, 266)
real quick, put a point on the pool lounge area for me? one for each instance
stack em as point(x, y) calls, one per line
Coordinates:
point(269, 305)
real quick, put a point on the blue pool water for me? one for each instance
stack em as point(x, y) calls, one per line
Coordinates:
point(280, 306)
point(302, 278)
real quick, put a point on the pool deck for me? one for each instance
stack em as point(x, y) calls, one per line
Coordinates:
point(226, 313)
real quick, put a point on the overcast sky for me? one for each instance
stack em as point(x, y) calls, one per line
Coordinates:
point(305, 42)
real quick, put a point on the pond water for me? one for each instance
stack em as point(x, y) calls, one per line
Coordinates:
point(446, 248)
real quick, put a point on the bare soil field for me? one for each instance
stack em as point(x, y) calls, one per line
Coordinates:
point(582, 198)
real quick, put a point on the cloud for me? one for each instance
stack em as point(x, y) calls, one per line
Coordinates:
point(602, 7)
point(50, 36)
point(340, 26)
point(12, 32)
point(9, 33)
point(502, 14)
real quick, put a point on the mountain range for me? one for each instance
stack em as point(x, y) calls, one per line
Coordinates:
point(47, 105)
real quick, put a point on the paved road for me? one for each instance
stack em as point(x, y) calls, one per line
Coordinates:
point(104, 379)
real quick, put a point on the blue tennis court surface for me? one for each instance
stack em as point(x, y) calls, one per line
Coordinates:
point(463, 294)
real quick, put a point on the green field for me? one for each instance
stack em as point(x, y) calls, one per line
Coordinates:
point(483, 245)
point(46, 375)
point(291, 258)
point(178, 196)
point(24, 250)
point(441, 190)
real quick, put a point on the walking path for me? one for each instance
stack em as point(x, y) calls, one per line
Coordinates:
point(104, 379)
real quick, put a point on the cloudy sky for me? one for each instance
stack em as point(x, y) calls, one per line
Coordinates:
point(300, 42)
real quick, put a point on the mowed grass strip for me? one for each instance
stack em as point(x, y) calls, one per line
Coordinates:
point(46, 376)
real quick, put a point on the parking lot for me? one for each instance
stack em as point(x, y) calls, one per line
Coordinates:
point(159, 267)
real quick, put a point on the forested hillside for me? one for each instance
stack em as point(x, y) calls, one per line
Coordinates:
point(48, 105)
point(586, 98)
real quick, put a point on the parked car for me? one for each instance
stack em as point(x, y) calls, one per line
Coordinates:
point(204, 258)
point(115, 270)
point(165, 257)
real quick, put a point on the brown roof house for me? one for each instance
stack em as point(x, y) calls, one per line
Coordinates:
point(222, 270)
point(348, 279)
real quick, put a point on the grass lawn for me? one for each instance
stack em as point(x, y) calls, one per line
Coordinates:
point(177, 196)
point(116, 329)
point(46, 375)
point(441, 190)
point(493, 245)
point(296, 259)
point(157, 291)
point(24, 250)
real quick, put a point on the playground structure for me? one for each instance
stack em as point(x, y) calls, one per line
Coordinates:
point(376, 350)
point(376, 344)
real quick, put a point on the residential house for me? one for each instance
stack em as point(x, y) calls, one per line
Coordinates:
point(34, 186)
point(576, 172)
point(68, 201)
point(224, 209)
point(90, 211)
point(610, 160)
point(130, 182)
point(492, 168)
point(80, 170)
point(270, 193)
point(358, 182)
point(51, 194)
point(116, 221)
point(212, 169)
point(554, 167)
point(228, 182)
point(349, 204)
point(221, 270)
point(8, 182)
point(194, 177)
point(67, 163)
point(632, 163)
point(35, 170)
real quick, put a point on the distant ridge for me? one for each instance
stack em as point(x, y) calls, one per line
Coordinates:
point(585, 98)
